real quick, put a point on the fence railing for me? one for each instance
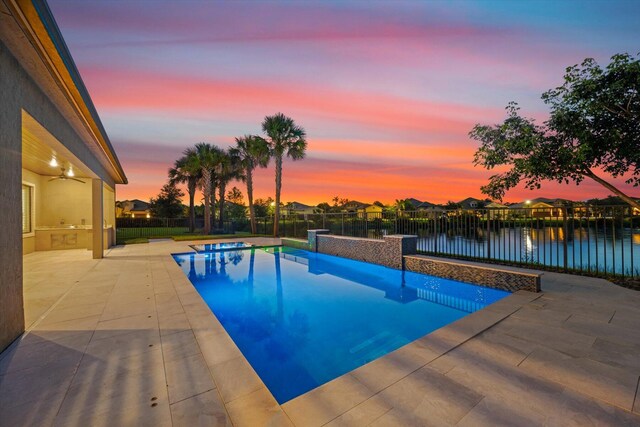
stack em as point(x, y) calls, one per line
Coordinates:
point(585, 239)
point(132, 228)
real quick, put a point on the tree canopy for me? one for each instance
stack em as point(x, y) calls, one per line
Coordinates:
point(168, 203)
point(593, 128)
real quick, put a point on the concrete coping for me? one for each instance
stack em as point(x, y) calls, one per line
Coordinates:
point(475, 265)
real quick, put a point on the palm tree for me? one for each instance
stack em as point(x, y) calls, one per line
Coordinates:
point(186, 170)
point(253, 152)
point(284, 138)
point(208, 158)
point(227, 169)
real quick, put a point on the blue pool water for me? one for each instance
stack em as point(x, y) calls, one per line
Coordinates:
point(302, 319)
point(215, 247)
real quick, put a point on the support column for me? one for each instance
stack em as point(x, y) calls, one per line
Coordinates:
point(312, 238)
point(97, 219)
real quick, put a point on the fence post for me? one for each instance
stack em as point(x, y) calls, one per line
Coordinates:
point(395, 223)
point(343, 223)
point(366, 224)
point(565, 236)
point(435, 232)
point(323, 215)
point(488, 234)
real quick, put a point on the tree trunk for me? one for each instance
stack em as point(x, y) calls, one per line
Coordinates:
point(213, 197)
point(611, 188)
point(221, 190)
point(252, 211)
point(206, 189)
point(191, 188)
point(276, 211)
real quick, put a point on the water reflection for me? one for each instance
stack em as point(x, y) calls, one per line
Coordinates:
point(605, 248)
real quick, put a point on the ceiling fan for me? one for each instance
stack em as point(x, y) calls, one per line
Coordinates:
point(64, 177)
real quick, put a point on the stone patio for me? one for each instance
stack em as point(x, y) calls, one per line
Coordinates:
point(126, 340)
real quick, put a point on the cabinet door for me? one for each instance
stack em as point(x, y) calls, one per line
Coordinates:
point(57, 241)
point(71, 240)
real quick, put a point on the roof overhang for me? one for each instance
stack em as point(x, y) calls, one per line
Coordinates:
point(36, 21)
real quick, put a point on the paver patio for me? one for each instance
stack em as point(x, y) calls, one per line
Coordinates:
point(127, 340)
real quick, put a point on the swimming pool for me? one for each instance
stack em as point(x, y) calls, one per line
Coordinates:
point(302, 319)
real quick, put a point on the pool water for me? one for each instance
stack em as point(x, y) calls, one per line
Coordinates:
point(215, 247)
point(302, 319)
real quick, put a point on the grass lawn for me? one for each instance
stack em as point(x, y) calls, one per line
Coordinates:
point(183, 237)
point(186, 237)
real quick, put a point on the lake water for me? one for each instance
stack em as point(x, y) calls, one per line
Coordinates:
point(590, 249)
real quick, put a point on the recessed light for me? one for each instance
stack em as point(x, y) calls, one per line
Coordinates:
point(70, 172)
point(53, 163)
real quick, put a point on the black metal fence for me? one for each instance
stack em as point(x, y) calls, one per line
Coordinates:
point(132, 228)
point(585, 239)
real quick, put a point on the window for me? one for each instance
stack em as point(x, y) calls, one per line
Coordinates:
point(27, 209)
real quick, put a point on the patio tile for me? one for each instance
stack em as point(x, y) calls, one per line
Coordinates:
point(235, 378)
point(430, 397)
point(257, 409)
point(616, 354)
point(610, 332)
point(445, 339)
point(327, 402)
point(37, 384)
point(179, 345)
point(204, 410)
point(66, 350)
point(496, 413)
point(605, 382)
point(522, 389)
point(187, 377)
point(217, 347)
point(124, 325)
point(576, 409)
point(71, 313)
point(123, 345)
point(172, 323)
point(557, 338)
point(384, 371)
point(363, 414)
point(118, 309)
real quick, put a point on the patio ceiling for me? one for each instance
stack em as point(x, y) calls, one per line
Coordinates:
point(39, 147)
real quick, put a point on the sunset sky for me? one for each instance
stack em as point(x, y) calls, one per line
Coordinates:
point(387, 91)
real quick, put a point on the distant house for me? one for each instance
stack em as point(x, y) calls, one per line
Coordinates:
point(495, 205)
point(542, 207)
point(372, 211)
point(415, 202)
point(132, 209)
point(471, 203)
point(354, 206)
point(297, 208)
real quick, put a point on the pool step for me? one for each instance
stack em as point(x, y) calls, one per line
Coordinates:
point(377, 346)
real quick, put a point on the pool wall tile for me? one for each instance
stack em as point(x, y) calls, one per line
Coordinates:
point(298, 244)
point(497, 278)
point(387, 252)
point(399, 251)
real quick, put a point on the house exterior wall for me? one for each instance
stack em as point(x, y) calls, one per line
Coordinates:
point(18, 92)
point(11, 309)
